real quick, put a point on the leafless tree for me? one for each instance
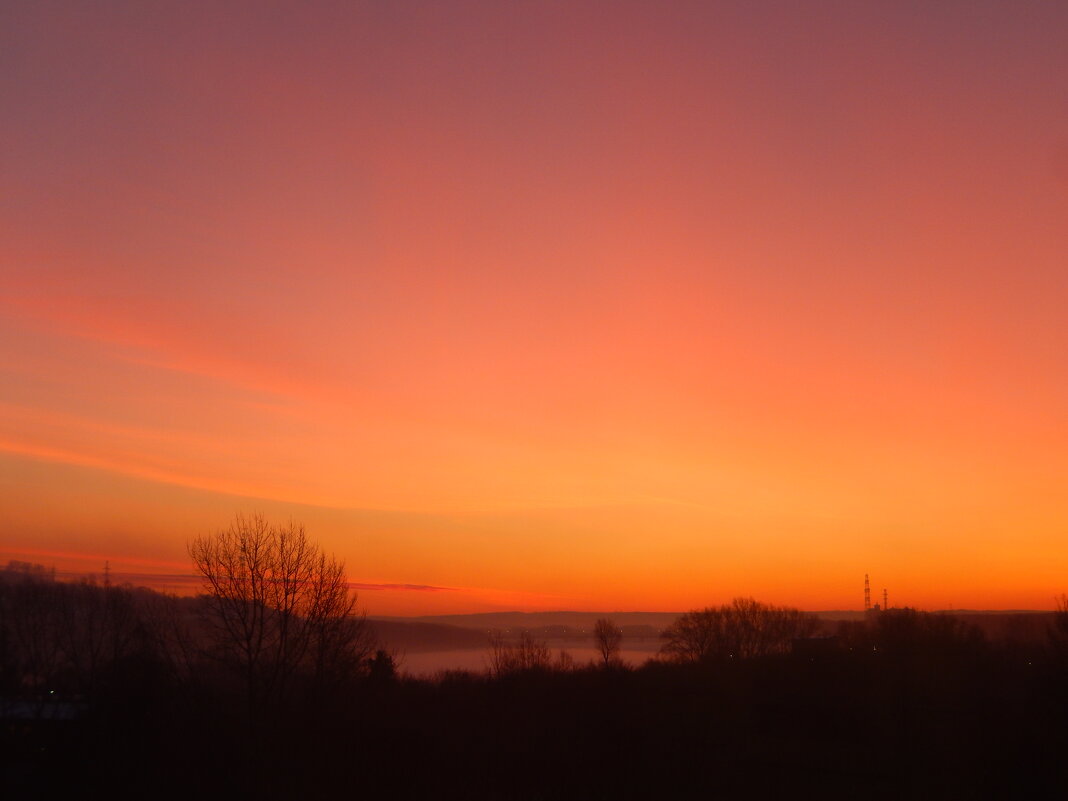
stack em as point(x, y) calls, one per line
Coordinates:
point(278, 607)
point(62, 636)
point(741, 629)
point(608, 638)
point(565, 662)
point(527, 654)
point(1058, 629)
point(32, 613)
point(100, 625)
point(171, 627)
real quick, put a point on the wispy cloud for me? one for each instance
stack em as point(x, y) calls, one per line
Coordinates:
point(190, 581)
point(417, 587)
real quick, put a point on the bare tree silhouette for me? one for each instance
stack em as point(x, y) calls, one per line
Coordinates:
point(741, 629)
point(608, 637)
point(277, 606)
point(99, 626)
point(1058, 629)
point(63, 635)
point(528, 654)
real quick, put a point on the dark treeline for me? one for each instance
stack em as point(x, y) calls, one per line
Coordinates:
point(128, 692)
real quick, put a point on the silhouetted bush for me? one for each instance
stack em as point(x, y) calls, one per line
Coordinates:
point(525, 655)
point(742, 629)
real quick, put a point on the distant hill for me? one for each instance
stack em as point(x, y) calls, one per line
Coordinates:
point(455, 632)
point(578, 621)
point(488, 621)
point(416, 635)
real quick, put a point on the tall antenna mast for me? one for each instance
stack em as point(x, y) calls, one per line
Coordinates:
point(885, 605)
point(867, 594)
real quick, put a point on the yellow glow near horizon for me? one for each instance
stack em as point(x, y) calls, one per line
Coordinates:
point(637, 311)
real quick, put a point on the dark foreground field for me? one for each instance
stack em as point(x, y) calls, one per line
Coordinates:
point(110, 691)
point(960, 722)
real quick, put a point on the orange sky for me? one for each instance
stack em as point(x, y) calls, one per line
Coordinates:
point(548, 305)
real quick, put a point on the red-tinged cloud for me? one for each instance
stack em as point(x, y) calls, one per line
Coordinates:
point(356, 585)
point(170, 581)
point(188, 582)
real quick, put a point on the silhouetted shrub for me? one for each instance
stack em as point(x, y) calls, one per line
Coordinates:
point(742, 629)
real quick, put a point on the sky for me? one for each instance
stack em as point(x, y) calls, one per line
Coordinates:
point(543, 305)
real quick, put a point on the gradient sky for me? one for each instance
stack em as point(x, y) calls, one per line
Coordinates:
point(543, 305)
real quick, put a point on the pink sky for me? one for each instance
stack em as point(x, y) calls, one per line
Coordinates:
point(553, 305)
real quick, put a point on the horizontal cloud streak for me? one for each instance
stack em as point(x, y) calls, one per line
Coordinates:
point(417, 587)
point(187, 580)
